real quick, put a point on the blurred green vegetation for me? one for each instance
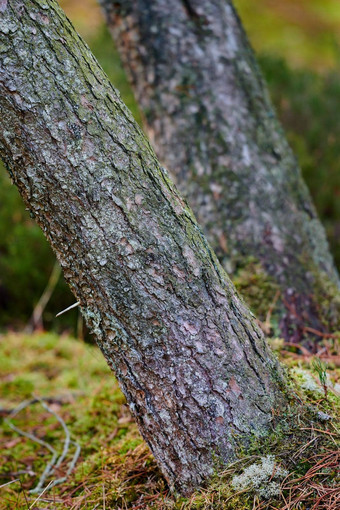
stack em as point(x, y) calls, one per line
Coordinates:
point(298, 45)
point(305, 32)
point(26, 262)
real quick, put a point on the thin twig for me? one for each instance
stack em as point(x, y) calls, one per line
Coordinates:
point(9, 483)
point(36, 319)
point(55, 461)
point(68, 308)
point(320, 333)
point(47, 487)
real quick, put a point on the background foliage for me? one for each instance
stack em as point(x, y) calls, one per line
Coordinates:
point(298, 43)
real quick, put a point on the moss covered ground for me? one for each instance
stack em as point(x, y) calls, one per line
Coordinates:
point(115, 469)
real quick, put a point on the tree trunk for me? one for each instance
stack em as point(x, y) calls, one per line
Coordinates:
point(211, 121)
point(192, 363)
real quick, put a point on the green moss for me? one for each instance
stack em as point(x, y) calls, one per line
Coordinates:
point(114, 459)
point(256, 286)
point(129, 445)
point(328, 300)
point(292, 443)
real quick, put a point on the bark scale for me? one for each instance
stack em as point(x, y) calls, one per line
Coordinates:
point(210, 119)
point(191, 361)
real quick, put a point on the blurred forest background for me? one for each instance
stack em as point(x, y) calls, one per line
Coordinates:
point(298, 46)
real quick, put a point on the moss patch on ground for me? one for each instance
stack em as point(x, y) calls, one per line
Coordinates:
point(259, 288)
point(115, 469)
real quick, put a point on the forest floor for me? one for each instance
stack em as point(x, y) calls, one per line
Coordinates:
point(75, 402)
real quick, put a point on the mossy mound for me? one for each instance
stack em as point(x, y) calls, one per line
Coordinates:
point(115, 469)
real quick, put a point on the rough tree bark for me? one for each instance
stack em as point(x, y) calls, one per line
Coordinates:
point(210, 119)
point(192, 363)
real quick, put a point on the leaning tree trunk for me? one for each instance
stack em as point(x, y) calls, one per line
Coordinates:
point(188, 354)
point(211, 121)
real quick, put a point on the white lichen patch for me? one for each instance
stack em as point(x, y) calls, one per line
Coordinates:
point(306, 380)
point(324, 416)
point(263, 478)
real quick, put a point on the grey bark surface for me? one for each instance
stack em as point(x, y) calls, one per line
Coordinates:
point(211, 122)
point(191, 361)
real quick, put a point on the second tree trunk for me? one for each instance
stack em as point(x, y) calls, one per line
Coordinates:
point(212, 124)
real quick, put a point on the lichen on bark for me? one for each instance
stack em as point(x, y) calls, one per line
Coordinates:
point(210, 119)
point(192, 363)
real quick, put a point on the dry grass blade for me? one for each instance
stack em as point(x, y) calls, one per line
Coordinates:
point(310, 489)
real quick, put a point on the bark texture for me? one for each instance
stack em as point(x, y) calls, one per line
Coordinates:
point(194, 367)
point(212, 124)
